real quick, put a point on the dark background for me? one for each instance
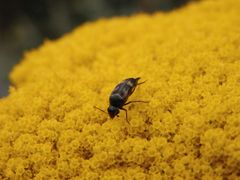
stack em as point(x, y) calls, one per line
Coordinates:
point(24, 24)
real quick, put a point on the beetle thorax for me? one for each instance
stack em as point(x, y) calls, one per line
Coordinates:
point(116, 100)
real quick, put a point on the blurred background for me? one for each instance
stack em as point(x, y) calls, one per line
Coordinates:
point(24, 24)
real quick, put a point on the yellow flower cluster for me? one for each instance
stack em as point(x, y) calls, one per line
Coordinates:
point(189, 130)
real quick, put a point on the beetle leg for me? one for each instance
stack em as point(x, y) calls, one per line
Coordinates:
point(135, 101)
point(141, 82)
point(126, 114)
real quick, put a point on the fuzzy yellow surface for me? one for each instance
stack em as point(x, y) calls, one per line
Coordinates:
point(190, 129)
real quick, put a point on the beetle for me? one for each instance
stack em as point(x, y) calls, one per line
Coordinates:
point(119, 96)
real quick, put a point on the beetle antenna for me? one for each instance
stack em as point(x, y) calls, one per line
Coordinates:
point(100, 109)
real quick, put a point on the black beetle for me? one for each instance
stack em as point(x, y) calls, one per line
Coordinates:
point(119, 96)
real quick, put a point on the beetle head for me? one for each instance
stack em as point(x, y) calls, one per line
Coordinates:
point(113, 111)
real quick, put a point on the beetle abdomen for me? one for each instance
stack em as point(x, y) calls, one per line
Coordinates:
point(124, 89)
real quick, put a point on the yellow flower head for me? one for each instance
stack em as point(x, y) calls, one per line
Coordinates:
point(189, 129)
